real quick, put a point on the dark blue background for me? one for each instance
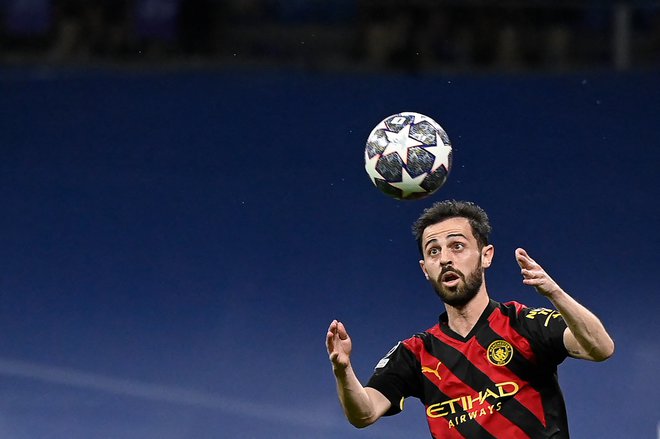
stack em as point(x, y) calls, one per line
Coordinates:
point(174, 245)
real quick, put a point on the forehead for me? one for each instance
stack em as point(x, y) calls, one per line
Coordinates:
point(447, 228)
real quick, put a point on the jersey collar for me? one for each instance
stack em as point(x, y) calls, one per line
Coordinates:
point(483, 320)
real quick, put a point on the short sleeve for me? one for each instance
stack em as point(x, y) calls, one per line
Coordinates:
point(545, 330)
point(396, 376)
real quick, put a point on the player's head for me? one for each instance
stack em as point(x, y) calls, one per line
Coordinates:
point(443, 210)
point(453, 240)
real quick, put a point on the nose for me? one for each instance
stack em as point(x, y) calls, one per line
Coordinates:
point(445, 259)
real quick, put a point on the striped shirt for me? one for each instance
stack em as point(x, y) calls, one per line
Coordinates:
point(500, 381)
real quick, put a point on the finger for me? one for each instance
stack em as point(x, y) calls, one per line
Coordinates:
point(524, 260)
point(341, 331)
point(529, 272)
point(534, 277)
point(333, 343)
point(334, 348)
point(520, 255)
point(329, 344)
point(532, 280)
point(536, 273)
point(333, 328)
point(330, 335)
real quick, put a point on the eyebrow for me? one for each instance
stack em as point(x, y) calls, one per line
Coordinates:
point(429, 242)
point(452, 235)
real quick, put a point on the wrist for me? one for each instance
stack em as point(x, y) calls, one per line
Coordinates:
point(341, 370)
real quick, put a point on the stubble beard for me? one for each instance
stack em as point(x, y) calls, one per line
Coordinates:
point(464, 292)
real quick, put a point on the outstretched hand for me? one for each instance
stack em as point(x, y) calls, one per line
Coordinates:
point(339, 346)
point(534, 275)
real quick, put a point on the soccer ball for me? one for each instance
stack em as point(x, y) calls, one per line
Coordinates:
point(408, 156)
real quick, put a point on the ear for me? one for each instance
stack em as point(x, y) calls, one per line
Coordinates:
point(487, 254)
point(421, 265)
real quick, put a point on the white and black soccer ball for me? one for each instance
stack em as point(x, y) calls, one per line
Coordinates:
point(408, 156)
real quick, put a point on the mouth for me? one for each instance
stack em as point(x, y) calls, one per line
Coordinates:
point(450, 279)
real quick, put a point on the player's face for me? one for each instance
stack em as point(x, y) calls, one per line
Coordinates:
point(453, 261)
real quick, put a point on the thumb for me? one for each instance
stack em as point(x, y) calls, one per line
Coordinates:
point(341, 331)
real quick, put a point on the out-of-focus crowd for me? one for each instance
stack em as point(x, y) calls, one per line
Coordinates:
point(411, 36)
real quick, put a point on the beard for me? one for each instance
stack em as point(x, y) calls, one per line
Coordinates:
point(461, 294)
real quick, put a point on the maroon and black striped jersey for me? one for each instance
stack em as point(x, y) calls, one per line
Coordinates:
point(500, 381)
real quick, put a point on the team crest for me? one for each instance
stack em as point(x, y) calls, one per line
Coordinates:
point(499, 352)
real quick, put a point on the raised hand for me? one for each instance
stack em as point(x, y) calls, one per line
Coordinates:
point(534, 275)
point(339, 346)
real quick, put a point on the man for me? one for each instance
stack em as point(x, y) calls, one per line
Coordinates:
point(487, 369)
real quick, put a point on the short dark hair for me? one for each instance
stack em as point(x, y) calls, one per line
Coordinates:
point(443, 210)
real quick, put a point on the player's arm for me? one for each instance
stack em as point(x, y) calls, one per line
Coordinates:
point(585, 336)
point(362, 405)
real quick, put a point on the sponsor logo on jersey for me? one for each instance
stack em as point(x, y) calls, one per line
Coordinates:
point(426, 369)
point(499, 352)
point(543, 312)
point(486, 402)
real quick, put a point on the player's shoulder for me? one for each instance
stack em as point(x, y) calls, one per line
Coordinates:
point(426, 332)
point(417, 341)
point(526, 315)
point(520, 309)
point(514, 311)
point(513, 308)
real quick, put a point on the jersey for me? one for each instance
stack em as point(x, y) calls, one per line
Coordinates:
point(500, 381)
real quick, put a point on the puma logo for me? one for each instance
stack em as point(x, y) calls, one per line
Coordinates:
point(426, 369)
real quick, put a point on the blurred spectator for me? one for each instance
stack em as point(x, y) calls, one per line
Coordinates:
point(90, 29)
point(70, 26)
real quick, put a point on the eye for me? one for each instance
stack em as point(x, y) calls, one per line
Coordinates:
point(434, 251)
point(458, 246)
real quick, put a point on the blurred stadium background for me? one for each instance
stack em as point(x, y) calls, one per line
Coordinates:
point(185, 207)
point(413, 37)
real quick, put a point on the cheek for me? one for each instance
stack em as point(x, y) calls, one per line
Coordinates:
point(432, 270)
point(426, 267)
point(430, 264)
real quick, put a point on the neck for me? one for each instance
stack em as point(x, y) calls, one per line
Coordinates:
point(461, 320)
